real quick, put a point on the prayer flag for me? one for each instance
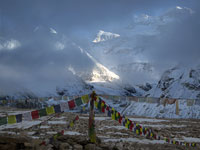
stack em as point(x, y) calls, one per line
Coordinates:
point(85, 98)
point(96, 104)
point(3, 120)
point(35, 114)
point(71, 104)
point(27, 116)
point(102, 106)
point(57, 108)
point(78, 101)
point(42, 112)
point(71, 124)
point(64, 106)
point(77, 117)
point(50, 110)
point(12, 119)
point(19, 118)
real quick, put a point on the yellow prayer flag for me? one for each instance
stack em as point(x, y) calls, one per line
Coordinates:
point(126, 118)
point(140, 129)
point(102, 104)
point(71, 124)
point(96, 104)
point(83, 108)
point(113, 114)
point(12, 119)
point(128, 122)
point(117, 115)
point(55, 136)
point(137, 131)
point(85, 99)
point(50, 110)
point(126, 125)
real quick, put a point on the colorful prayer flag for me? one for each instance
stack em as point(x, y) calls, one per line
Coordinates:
point(85, 98)
point(19, 118)
point(12, 119)
point(113, 114)
point(57, 108)
point(27, 116)
point(71, 124)
point(77, 117)
point(103, 106)
point(35, 114)
point(3, 120)
point(50, 110)
point(78, 101)
point(64, 106)
point(42, 112)
point(96, 104)
point(71, 104)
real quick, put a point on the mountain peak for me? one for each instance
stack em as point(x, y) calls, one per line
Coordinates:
point(104, 36)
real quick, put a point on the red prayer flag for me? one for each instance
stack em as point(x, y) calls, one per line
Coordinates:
point(107, 108)
point(120, 119)
point(71, 104)
point(131, 126)
point(62, 132)
point(35, 114)
point(77, 117)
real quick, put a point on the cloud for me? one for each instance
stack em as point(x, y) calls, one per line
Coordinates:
point(10, 45)
point(33, 55)
point(53, 31)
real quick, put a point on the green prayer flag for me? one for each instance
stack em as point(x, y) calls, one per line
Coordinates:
point(78, 101)
point(42, 112)
point(3, 120)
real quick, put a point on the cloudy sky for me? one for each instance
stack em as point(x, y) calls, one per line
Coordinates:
point(40, 39)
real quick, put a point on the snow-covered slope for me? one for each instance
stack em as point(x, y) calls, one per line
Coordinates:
point(179, 82)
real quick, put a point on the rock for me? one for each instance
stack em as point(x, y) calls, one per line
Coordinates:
point(81, 140)
point(162, 111)
point(64, 146)
point(71, 142)
point(90, 147)
point(98, 148)
point(77, 147)
point(49, 147)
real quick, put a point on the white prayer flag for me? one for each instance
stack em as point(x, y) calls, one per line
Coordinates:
point(27, 116)
point(64, 106)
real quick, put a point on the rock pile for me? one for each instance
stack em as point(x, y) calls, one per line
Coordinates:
point(65, 142)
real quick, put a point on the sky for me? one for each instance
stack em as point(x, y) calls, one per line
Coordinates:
point(40, 39)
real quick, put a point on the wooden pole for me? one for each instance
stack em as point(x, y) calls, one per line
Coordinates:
point(91, 124)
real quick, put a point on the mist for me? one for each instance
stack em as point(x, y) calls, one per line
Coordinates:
point(41, 40)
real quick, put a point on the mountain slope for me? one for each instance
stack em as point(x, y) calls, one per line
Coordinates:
point(179, 82)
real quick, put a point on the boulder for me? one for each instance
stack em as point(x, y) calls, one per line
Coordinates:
point(64, 146)
point(77, 147)
point(90, 147)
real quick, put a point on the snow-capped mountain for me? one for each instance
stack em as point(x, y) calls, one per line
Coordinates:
point(104, 36)
point(116, 63)
point(179, 82)
point(128, 54)
point(60, 66)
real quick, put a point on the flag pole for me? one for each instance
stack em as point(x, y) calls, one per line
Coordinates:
point(91, 124)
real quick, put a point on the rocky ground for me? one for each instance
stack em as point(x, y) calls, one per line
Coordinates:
point(111, 135)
